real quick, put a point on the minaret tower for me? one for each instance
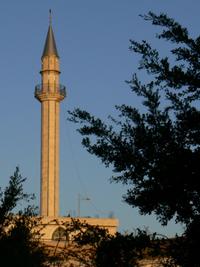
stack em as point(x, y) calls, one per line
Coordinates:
point(50, 93)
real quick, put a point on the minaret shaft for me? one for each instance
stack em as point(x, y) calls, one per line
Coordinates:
point(50, 158)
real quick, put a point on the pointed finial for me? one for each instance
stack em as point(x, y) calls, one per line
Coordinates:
point(50, 17)
point(50, 44)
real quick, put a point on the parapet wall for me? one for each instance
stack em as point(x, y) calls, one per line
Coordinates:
point(50, 224)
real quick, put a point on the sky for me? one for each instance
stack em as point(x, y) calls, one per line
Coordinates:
point(93, 43)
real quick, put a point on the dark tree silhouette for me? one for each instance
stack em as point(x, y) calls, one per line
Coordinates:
point(93, 246)
point(157, 152)
point(19, 233)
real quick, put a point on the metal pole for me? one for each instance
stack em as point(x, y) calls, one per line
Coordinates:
point(79, 205)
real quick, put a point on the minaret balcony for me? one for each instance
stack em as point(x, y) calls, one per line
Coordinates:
point(50, 92)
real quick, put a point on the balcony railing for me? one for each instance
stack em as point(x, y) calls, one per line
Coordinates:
point(50, 88)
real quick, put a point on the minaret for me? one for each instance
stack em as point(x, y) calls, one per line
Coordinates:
point(50, 93)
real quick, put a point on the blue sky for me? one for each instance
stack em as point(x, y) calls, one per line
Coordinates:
point(92, 39)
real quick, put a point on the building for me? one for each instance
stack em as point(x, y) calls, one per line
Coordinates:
point(50, 93)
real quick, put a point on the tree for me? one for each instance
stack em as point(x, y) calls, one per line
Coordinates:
point(92, 246)
point(126, 250)
point(19, 233)
point(157, 152)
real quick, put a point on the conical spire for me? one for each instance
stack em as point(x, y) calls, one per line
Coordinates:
point(50, 44)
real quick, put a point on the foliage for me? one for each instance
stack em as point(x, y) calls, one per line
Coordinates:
point(19, 233)
point(184, 251)
point(156, 151)
point(93, 246)
point(123, 250)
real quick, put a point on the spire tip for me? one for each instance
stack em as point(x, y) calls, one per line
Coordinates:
point(50, 17)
